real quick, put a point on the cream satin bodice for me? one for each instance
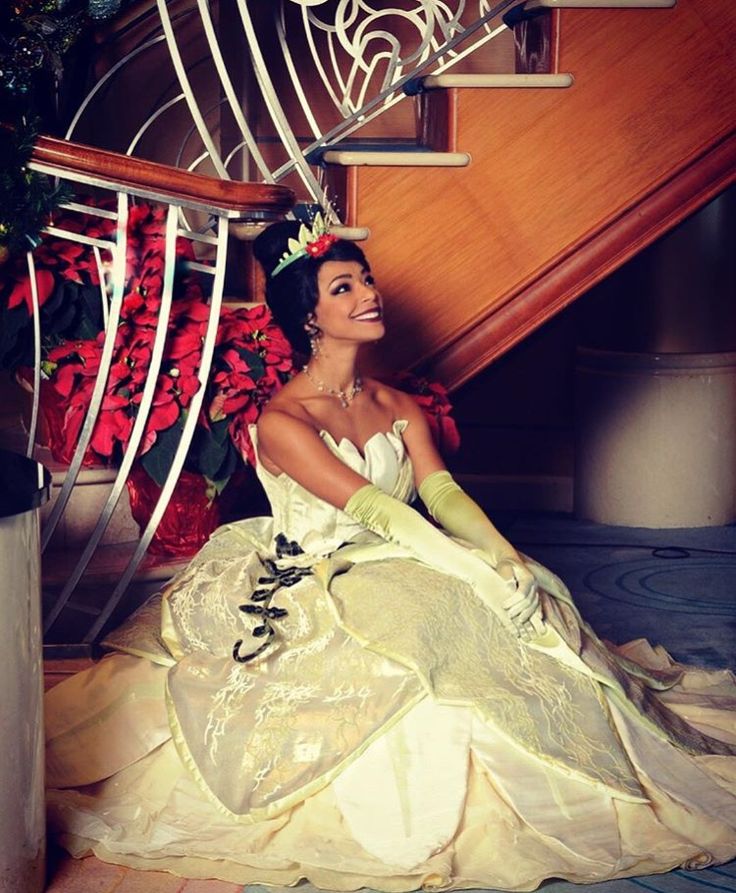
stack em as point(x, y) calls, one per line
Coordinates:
point(319, 527)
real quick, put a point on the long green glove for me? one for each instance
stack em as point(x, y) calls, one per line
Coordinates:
point(394, 521)
point(462, 517)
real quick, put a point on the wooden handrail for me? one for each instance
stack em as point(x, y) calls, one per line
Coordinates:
point(99, 167)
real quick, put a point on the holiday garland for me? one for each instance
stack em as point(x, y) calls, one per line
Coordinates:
point(34, 36)
point(27, 198)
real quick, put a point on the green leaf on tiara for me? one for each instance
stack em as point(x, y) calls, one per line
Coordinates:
point(299, 247)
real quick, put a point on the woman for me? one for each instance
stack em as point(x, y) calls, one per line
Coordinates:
point(349, 694)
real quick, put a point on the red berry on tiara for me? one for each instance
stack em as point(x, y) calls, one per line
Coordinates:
point(321, 245)
point(313, 241)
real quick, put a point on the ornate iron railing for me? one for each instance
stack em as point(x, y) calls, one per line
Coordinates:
point(317, 72)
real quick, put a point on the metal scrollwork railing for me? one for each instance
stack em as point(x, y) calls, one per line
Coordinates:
point(363, 50)
point(117, 182)
point(317, 71)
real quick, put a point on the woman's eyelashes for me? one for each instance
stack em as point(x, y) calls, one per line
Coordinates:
point(346, 285)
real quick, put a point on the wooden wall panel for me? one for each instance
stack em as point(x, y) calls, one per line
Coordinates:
point(551, 171)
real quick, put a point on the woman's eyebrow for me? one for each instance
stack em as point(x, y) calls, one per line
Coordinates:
point(341, 276)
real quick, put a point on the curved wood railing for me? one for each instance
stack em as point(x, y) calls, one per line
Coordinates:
point(97, 167)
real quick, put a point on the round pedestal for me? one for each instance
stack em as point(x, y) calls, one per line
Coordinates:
point(655, 438)
point(24, 486)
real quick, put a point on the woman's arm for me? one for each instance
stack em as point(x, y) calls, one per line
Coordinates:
point(295, 447)
point(417, 437)
point(462, 517)
point(448, 504)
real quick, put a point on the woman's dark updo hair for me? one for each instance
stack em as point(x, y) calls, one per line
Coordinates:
point(292, 295)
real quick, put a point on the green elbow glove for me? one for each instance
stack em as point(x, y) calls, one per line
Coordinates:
point(399, 523)
point(462, 517)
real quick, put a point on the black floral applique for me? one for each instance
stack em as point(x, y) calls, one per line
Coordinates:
point(260, 600)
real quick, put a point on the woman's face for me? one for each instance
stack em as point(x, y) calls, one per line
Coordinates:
point(349, 306)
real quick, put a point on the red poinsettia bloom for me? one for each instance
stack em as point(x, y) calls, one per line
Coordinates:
point(238, 429)
point(23, 291)
point(252, 358)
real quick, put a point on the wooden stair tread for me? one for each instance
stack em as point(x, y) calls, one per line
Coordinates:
point(599, 4)
point(496, 81)
point(56, 670)
point(247, 232)
point(391, 158)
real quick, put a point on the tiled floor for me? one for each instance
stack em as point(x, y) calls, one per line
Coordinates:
point(92, 876)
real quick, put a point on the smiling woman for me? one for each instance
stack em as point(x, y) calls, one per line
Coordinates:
point(347, 693)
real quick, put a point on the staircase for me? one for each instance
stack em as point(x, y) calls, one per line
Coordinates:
point(563, 185)
point(551, 140)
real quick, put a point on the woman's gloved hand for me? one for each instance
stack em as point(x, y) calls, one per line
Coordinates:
point(523, 605)
point(399, 523)
point(461, 516)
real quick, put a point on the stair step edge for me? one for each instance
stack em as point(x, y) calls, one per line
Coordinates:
point(599, 4)
point(247, 232)
point(412, 158)
point(496, 81)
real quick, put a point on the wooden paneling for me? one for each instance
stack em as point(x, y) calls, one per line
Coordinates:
point(552, 172)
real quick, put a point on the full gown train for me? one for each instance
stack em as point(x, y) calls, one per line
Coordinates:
point(390, 732)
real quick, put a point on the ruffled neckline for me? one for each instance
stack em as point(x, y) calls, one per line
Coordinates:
point(345, 447)
point(397, 429)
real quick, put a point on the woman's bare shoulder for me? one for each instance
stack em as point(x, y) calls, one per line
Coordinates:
point(401, 404)
point(284, 410)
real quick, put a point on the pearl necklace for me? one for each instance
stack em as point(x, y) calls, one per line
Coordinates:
point(345, 397)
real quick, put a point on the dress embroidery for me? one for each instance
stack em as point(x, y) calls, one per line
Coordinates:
point(260, 600)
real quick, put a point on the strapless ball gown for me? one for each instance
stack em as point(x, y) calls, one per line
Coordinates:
point(306, 700)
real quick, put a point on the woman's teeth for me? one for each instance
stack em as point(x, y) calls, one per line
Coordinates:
point(368, 315)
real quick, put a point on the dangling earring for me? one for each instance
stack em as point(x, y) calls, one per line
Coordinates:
point(314, 334)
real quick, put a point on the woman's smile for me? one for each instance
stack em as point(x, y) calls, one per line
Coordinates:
point(372, 314)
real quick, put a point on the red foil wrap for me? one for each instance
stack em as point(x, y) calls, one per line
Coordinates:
point(189, 519)
point(57, 431)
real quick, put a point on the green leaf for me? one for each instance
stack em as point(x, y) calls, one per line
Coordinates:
point(220, 431)
point(219, 485)
point(15, 337)
point(255, 363)
point(158, 460)
point(210, 454)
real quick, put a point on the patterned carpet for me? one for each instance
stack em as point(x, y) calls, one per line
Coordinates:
point(673, 587)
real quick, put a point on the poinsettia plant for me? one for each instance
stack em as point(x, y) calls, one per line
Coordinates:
point(252, 358)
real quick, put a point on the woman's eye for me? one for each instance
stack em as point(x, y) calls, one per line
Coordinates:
point(370, 280)
point(341, 288)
